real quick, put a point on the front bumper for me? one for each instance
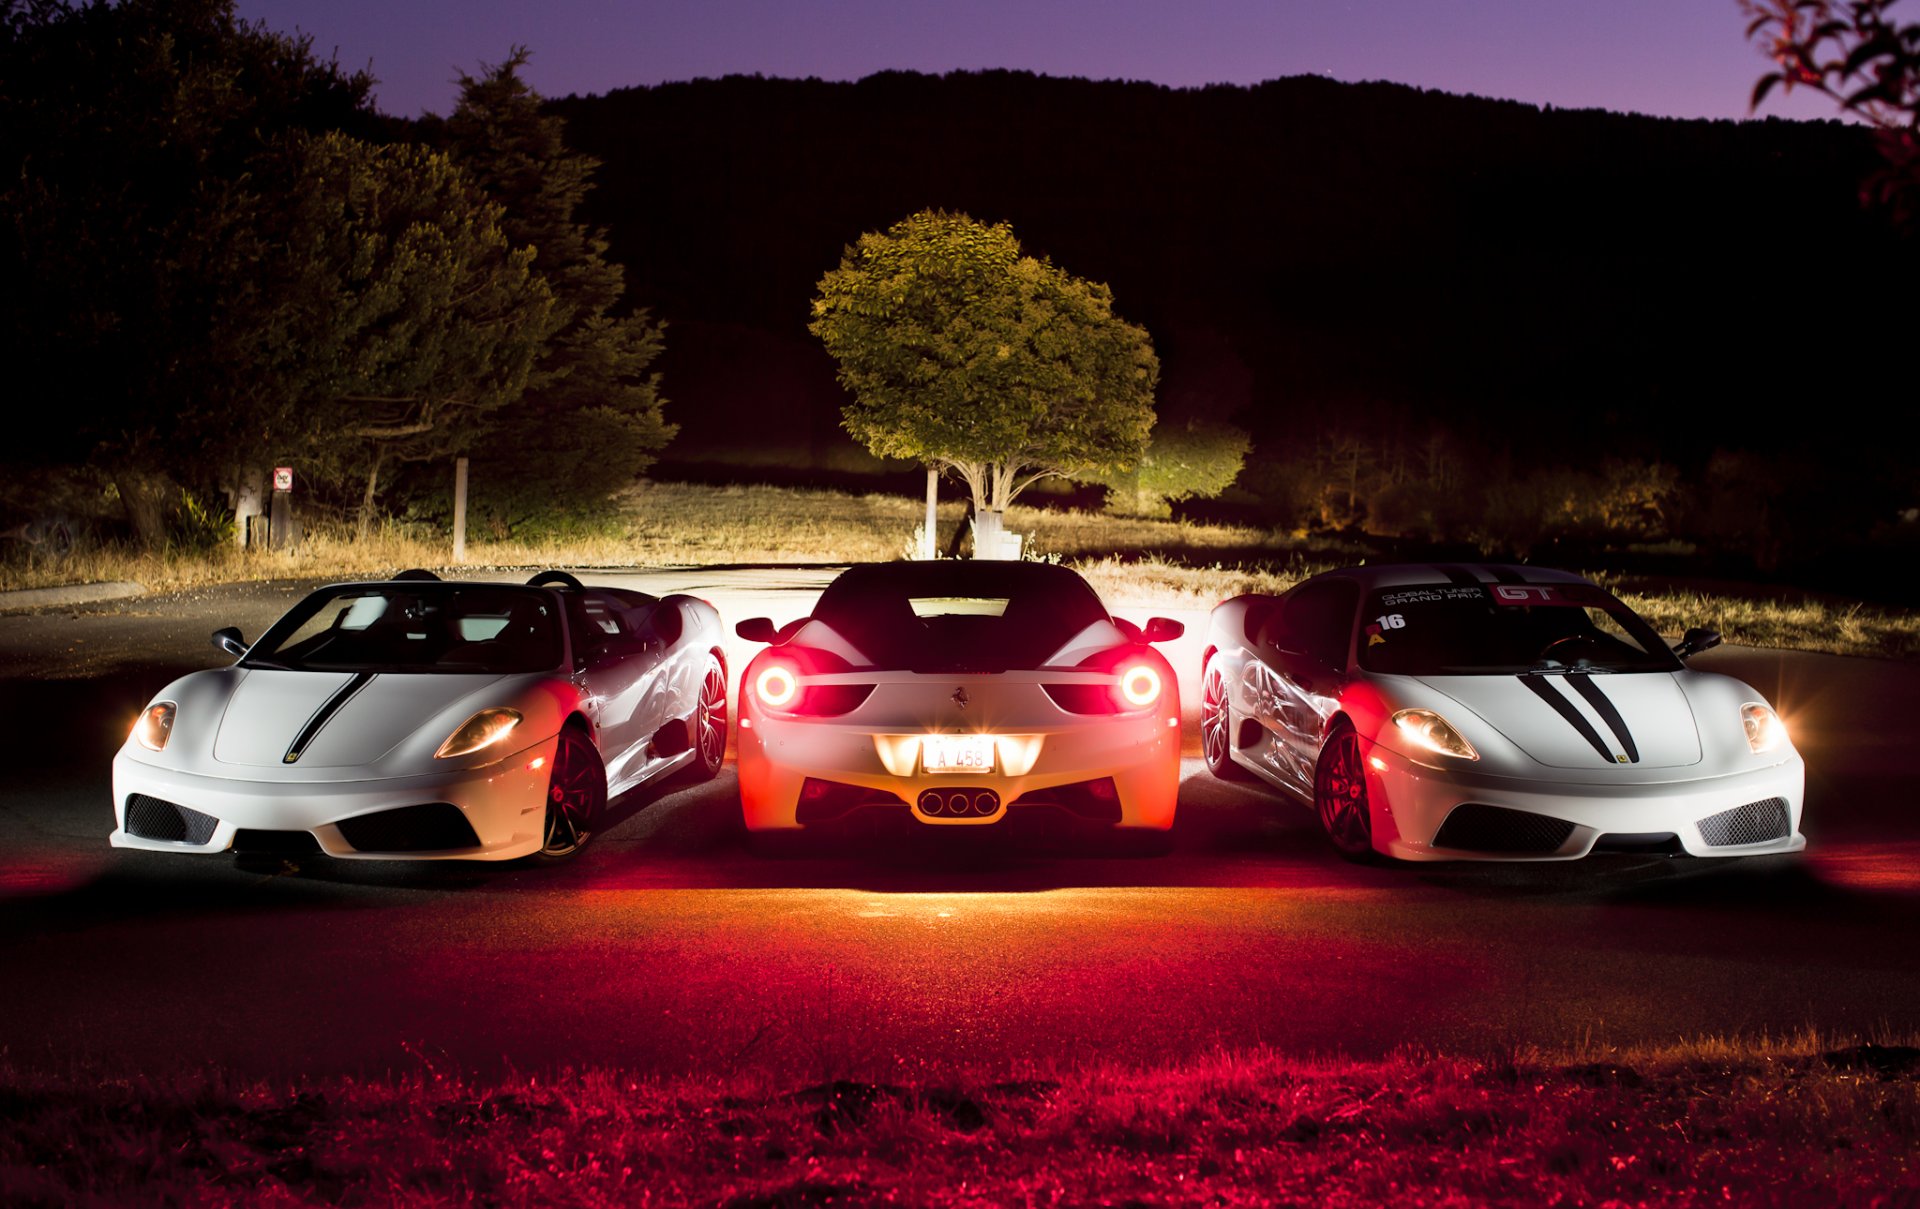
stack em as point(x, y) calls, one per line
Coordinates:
point(1411, 803)
point(504, 803)
point(1140, 753)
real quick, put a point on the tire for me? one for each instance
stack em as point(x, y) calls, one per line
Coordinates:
point(708, 725)
point(1340, 797)
point(576, 798)
point(1216, 726)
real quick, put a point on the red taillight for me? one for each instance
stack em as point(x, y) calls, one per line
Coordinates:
point(1137, 686)
point(1140, 685)
point(776, 685)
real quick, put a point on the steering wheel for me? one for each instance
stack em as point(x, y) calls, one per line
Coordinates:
point(555, 577)
point(1564, 641)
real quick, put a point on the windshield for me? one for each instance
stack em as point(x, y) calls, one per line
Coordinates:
point(414, 627)
point(958, 616)
point(1493, 629)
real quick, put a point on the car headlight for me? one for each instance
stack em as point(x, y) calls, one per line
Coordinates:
point(1429, 730)
point(484, 729)
point(155, 725)
point(1765, 730)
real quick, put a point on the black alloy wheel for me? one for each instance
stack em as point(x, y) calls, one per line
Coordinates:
point(710, 723)
point(576, 795)
point(1340, 795)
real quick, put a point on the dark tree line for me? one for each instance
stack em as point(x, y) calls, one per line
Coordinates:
point(216, 257)
point(1538, 294)
point(1440, 318)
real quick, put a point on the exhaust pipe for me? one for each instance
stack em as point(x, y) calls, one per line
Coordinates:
point(958, 803)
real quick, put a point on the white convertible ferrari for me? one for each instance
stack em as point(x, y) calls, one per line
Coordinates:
point(1492, 712)
point(422, 719)
point(955, 693)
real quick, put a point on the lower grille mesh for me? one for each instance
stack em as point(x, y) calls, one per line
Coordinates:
point(432, 827)
point(155, 819)
point(1754, 823)
point(1474, 827)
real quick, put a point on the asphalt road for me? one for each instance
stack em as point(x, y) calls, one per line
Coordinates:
point(672, 947)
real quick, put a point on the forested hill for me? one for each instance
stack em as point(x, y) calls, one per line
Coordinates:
point(1306, 253)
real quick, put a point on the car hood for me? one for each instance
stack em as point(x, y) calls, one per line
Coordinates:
point(334, 719)
point(1583, 721)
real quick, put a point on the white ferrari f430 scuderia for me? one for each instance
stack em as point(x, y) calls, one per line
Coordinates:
point(422, 719)
point(1492, 712)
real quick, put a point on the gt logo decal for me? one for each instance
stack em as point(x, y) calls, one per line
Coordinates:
point(1522, 593)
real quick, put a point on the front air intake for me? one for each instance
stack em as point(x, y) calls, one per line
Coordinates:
point(154, 819)
point(1754, 823)
point(1475, 827)
point(432, 827)
point(275, 843)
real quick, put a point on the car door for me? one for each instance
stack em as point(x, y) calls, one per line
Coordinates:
point(673, 669)
point(619, 670)
point(1303, 648)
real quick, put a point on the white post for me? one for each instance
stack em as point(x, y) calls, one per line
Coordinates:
point(987, 530)
point(927, 543)
point(459, 510)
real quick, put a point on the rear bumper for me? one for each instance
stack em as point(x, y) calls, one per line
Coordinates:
point(1412, 802)
point(504, 803)
point(1141, 754)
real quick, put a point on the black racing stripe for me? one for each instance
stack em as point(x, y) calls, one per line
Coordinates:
point(1458, 575)
point(1538, 686)
point(1506, 575)
point(1603, 706)
point(324, 714)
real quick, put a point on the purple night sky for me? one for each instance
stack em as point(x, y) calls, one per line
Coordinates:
point(1682, 58)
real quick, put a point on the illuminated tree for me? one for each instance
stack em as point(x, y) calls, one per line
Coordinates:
point(1852, 51)
point(963, 352)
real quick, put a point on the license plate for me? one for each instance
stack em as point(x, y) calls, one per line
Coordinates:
point(957, 753)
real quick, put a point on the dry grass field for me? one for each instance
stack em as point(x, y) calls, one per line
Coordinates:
point(1133, 563)
point(1753, 1123)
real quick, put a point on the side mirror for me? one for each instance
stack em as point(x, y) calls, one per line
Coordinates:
point(228, 639)
point(1162, 629)
point(1696, 639)
point(756, 629)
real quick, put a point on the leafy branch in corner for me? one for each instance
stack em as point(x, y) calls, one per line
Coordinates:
point(1854, 52)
